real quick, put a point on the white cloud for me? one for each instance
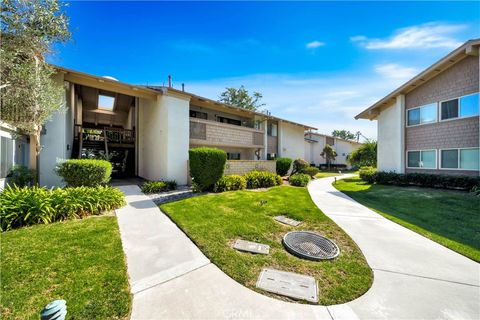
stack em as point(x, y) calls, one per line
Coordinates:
point(429, 35)
point(314, 44)
point(325, 102)
point(395, 71)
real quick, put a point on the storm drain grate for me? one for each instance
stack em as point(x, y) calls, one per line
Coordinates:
point(309, 245)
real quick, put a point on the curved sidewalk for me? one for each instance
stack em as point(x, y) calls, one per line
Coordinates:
point(415, 278)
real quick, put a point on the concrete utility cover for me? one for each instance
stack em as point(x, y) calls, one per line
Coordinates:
point(288, 221)
point(288, 284)
point(248, 246)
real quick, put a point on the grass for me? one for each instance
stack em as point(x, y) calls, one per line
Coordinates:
point(451, 218)
point(215, 221)
point(326, 174)
point(80, 261)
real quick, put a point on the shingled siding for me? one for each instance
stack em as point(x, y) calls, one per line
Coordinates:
point(459, 80)
point(243, 166)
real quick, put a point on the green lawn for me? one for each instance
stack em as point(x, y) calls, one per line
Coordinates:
point(215, 221)
point(451, 218)
point(326, 174)
point(80, 261)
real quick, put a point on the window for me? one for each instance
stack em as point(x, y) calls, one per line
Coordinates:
point(465, 159)
point(271, 156)
point(423, 114)
point(229, 121)
point(465, 106)
point(426, 159)
point(272, 129)
point(106, 102)
point(6, 155)
point(233, 156)
point(469, 105)
point(198, 114)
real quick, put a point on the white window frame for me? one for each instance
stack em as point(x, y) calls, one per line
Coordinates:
point(458, 157)
point(419, 107)
point(422, 150)
point(439, 112)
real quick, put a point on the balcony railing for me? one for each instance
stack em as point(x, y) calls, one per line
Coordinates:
point(221, 134)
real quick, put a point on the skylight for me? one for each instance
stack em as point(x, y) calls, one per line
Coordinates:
point(106, 102)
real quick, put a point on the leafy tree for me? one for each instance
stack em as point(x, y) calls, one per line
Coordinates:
point(329, 154)
point(241, 98)
point(365, 155)
point(29, 95)
point(344, 134)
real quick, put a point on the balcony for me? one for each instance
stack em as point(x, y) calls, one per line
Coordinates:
point(211, 133)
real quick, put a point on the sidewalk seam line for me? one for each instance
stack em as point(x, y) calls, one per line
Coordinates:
point(425, 277)
point(177, 276)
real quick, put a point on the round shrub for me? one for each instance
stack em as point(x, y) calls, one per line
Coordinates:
point(283, 165)
point(299, 165)
point(262, 179)
point(158, 186)
point(37, 205)
point(230, 183)
point(299, 179)
point(206, 166)
point(311, 171)
point(368, 174)
point(85, 172)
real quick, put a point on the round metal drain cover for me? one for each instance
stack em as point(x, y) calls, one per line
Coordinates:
point(309, 245)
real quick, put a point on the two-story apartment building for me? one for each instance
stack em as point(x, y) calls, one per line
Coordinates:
point(431, 123)
point(315, 142)
point(147, 131)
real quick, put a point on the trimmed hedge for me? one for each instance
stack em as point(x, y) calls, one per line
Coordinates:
point(27, 206)
point(230, 183)
point(262, 179)
point(283, 165)
point(311, 171)
point(85, 172)
point(206, 167)
point(299, 165)
point(158, 186)
point(299, 179)
point(421, 180)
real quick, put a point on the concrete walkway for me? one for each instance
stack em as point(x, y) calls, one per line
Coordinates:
point(415, 278)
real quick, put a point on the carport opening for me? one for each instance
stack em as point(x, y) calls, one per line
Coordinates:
point(105, 128)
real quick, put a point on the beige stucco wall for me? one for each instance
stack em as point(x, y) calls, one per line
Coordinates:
point(291, 140)
point(314, 149)
point(390, 149)
point(57, 142)
point(243, 166)
point(163, 138)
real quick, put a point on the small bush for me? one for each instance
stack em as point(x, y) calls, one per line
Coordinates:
point(21, 176)
point(26, 206)
point(85, 172)
point(158, 186)
point(206, 167)
point(262, 179)
point(299, 179)
point(476, 191)
point(283, 165)
point(299, 165)
point(230, 183)
point(311, 171)
point(367, 174)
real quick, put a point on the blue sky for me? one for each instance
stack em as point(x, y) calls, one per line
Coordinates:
point(318, 63)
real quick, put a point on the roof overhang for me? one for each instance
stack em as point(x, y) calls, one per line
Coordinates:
point(469, 48)
point(106, 83)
